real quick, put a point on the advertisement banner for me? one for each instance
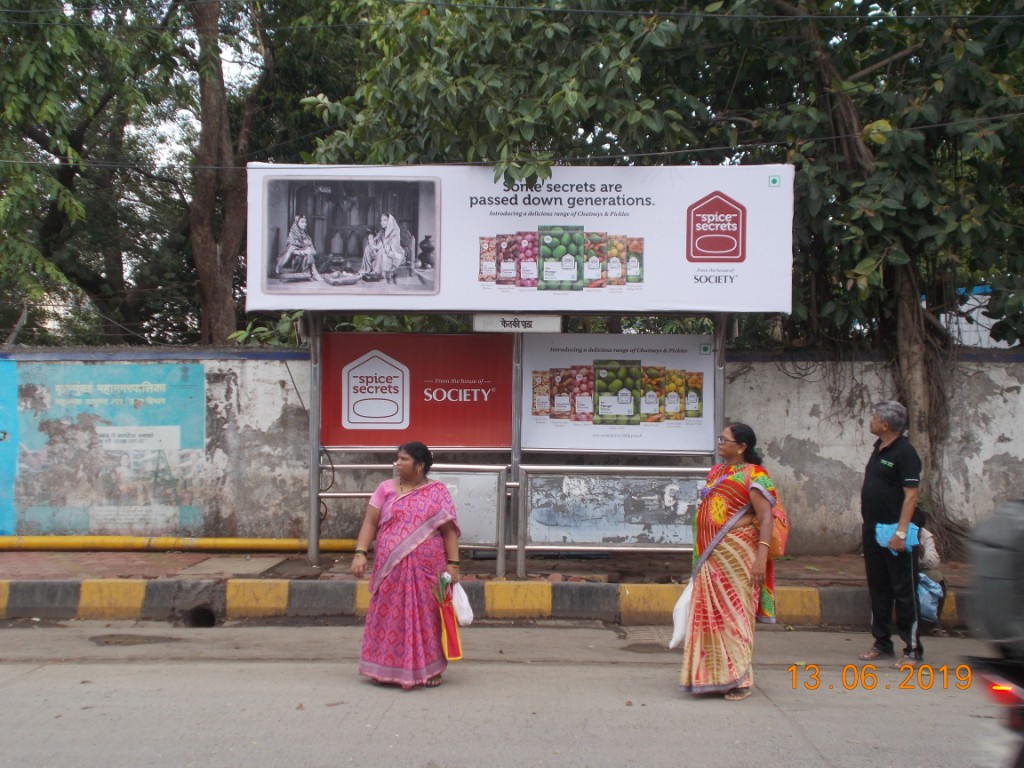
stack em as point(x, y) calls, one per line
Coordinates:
point(380, 390)
point(450, 238)
point(630, 393)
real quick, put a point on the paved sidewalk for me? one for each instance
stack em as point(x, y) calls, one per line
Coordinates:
point(196, 588)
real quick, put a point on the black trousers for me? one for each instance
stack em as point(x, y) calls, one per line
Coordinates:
point(892, 584)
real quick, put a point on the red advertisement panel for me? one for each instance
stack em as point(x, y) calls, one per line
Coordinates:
point(381, 390)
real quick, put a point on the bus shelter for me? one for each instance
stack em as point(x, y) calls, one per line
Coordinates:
point(578, 434)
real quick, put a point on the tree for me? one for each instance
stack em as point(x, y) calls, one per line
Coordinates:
point(903, 127)
point(103, 205)
point(75, 81)
point(265, 105)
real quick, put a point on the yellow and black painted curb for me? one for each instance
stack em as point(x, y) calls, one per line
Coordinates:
point(211, 601)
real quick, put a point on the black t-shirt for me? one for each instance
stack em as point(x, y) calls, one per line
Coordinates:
point(889, 471)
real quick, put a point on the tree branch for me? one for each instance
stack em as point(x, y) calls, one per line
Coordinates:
point(884, 63)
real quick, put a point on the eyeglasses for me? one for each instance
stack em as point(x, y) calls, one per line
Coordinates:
point(721, 440)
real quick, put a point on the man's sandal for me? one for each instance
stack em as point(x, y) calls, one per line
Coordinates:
point(874, 654)
point(906, 661)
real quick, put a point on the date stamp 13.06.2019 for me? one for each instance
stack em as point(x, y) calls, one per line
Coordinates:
point(909, 677)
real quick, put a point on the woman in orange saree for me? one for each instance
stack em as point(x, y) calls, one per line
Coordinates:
point(734, 579)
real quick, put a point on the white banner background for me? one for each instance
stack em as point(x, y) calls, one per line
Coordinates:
point(457, 206)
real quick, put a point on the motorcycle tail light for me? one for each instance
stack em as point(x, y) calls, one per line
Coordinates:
point(1004, 692)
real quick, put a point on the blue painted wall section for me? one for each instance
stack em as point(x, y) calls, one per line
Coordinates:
point(107, 448)
point(8, 443)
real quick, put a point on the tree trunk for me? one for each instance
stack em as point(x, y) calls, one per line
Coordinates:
point(918, 359)
point(923, 365)
point(219, 197)
point(911, 346)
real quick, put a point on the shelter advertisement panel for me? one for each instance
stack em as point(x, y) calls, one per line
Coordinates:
point(630, 393)
point(611, 510)
point(451, 238)
point(380, 390)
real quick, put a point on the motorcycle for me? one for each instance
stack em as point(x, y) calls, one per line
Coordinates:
point(1004, 681)
point(997, 560)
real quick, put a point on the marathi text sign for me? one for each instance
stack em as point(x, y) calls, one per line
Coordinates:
point(381, 390)
point(450, 238)
point(108, 450)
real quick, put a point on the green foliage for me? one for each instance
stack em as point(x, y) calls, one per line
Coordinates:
point(75, 181)
point(286, 330)
point(402, 324)
point(283, 331)
point(904, 127)
point(100, 110)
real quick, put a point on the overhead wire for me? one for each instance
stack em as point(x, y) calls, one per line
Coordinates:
point(738, 148)
point(876, 17)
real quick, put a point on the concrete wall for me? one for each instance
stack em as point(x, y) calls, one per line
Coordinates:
point(812, 419)
point(249, 478)
point(229, 460)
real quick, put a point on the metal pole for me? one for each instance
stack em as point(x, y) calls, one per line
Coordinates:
point(315, 337)
point(517, 449)
point(721, 336)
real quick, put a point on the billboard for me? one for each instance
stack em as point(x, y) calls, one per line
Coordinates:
point(380, 390)
point(451, 238)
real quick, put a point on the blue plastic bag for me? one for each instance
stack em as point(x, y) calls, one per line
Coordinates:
point(885, 531)
point(929, 592)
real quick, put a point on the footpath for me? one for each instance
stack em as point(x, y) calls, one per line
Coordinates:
point(207, 588)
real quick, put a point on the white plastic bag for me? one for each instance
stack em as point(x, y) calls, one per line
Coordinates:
point(680, 615)
point(463, 610)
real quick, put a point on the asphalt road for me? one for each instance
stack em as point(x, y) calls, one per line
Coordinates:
point(124, 695)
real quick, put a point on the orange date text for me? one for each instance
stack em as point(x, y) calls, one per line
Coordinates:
point(922, 677)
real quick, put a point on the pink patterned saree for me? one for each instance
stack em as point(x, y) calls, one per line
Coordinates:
point(402, 634)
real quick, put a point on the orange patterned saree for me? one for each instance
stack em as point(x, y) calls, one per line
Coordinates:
point(720, 636)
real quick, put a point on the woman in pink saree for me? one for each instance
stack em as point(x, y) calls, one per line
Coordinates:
point(734, 584)
point(417, 533)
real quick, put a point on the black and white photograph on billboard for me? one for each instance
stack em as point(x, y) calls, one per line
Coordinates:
point(351, 235)
point(605, 509)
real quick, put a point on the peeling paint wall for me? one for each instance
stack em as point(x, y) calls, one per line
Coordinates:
point(250, 478)
point(110, 445)
point(257, 449)
point(812, 423)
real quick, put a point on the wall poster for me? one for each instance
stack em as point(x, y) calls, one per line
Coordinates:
point(630, 393)
point(109, 449)
point(613, 510)
point(476, 496)
point(8, 443)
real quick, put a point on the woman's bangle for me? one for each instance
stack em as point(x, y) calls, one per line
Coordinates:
point(454, 562)
point(361, 552)
point(764, 544)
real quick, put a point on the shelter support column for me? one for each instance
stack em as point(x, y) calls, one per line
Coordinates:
point(315, 338)
point(722, 322)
